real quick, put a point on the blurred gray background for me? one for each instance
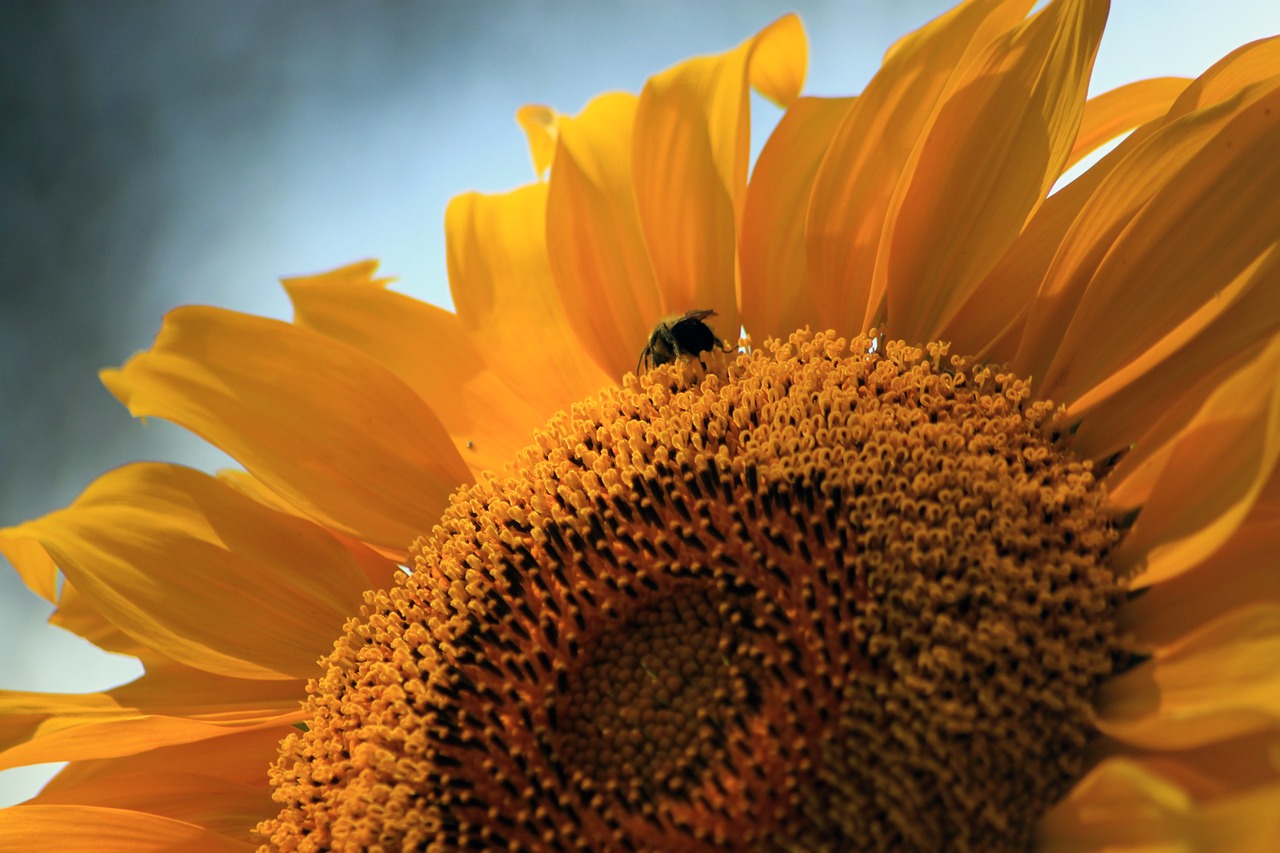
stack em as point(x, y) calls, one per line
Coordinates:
point(160, 153)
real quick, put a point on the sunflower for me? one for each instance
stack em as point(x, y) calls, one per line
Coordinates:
point(967, 544)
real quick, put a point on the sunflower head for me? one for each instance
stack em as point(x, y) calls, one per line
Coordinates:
point(836, 596)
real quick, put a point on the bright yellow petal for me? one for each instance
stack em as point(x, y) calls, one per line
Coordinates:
point(540, 126)
point(94, 829)
point(869, 152)
point(1216, 683)
point(1223, 457)
point(998, 143)
point(777, 297)
point(594, 237)
point(431, 351)
point(1121, 807)
point(1122, 109)
point(1217, 200)
point(689, 164)
point(1241, 572)
point(173, 558)
point(508, 306)
point(322, 424)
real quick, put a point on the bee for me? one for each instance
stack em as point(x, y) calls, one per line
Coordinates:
point(673, 337)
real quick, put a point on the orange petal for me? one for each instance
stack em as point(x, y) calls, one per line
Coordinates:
point(1178, 373)
point(237, 756)
point(33, 564)
point(996, 146)
point(94, 829)
point(540, 126)
point(594, 238)
point(1218, 206)
point(1223, 457)
point(193, 569)
point(689, 163)
point(77, 614)
point(1218, 769)
point(322, 424)
point(992, 321)
point(1216, 683)
point(1121, 806)
point(777, 297)
point(431, 351)
point(231, 809)
point(509, 308)
point(169, 705)
point(1240, 573)
point(869, 153)
point(1132, 173)
point(1122, 109)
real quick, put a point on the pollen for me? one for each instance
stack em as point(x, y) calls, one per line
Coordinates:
point(833, 595)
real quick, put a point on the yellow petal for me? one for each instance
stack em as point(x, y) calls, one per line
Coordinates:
point(169, 705)
point(237, 756)
point(1124, 808)
point(1178, 373)
point(188, 567)
point(869, 152)
point(1223, 456)
point(992, 320)
point(322, 424)
point(95, 829)
point(191, 795)
point(33, 564)
point(510, 310)
point(777, 297)
point(1112, 113)
point(689, 163)
point(539, 125)
point(1152, 157)
point(431, 351)
point(1216, 683)
point(1240, 573)
point(1218, 769)
point(1216, 200)
point(996, 146)
point(594, 239)
point(77, 614)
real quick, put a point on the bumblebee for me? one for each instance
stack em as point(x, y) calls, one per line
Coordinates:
point(686, 336)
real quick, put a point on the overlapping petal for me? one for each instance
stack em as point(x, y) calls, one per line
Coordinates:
point(689, 158)
point(169, 705)
point(777, 295)
point(869, 154)
point(95, 828)
point(172, 557)
point(1225, 455)
point(322, 424)
point(989, 156)
point(1124, 808)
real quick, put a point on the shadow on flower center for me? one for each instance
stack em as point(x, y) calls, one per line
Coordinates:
point(824, 598)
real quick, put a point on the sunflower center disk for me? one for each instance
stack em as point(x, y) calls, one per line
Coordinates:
point(827, 598)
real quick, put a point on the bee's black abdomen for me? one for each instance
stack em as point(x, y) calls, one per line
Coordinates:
point(687, 336)
point(692, 335)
